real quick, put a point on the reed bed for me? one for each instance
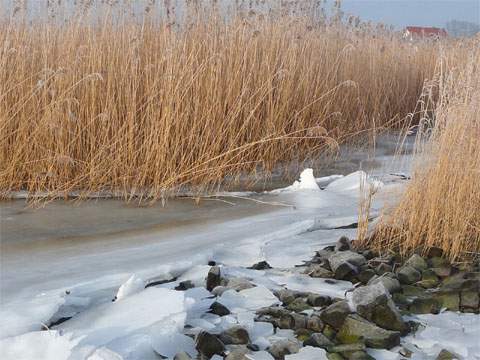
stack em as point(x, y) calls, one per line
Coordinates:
point(441, 205)
point(150, 108)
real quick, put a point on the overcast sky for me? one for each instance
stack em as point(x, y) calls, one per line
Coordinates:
point(401, 13)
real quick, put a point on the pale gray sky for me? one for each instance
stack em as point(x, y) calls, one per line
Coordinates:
point(401, 13)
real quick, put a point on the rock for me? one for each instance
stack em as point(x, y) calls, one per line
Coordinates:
point(302, 334)
point(239, 284)
point(285, 296)
point(424, 306)
point(438, 261)
point(469, 300)
point(318, 340)
point(442, 271)
point(299, 321)
point(185, 285)
point(262, 265)
point(356, 329)
point(347, 348)
point(373, 303)
point(318, 300)
point(284, 347)
point(383, 268)
point(329, 332)
point(219, 290)
point(446, 355)
point(345, 263)
point(366, 275)
point(335, 314)
point(429, 279)
point(213, 278)
point(236, 335)
point(343, 244)
point(369, 254)
point(314, 323)
point(391, 284)
point(449, 300)
point(182, 356)
point(415, 291)
point(209, 345)
point(434, 252)
point(408, 275)
point(334, 356)
point(219, 309)
point(298, 305)
point(238, 354)
point(462, 281)
point(318, 271)
point(417, 262)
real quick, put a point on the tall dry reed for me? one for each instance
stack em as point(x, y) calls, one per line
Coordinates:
point(148, 107)
point(441, 205)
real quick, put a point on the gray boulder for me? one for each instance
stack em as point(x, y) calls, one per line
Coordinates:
point(284, 347)
point(335, 314)
point(213, 278)
point(345, 263)
point(318, 340)
point(208, 344)
point(408, 275)
point(318, 271)
point(236, 335)
point(357, 329)
point(389, 282)
point(417, 262)
point(343, 244)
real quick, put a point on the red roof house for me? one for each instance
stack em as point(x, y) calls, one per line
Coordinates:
point(419, 32)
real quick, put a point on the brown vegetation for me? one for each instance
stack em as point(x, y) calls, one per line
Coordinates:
point(145, 107)
point(441, 205)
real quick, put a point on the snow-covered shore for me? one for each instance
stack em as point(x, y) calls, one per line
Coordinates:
point(145, 322)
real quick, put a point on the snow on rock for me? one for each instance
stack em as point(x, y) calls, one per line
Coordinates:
point(354, 182)
point(301, 282)
point(132, 286)
point(307, 182)
point(456, 332)
point(168, 341)
point(250, 299)
point(308, 353)
point(106, 322)
point(45, 345)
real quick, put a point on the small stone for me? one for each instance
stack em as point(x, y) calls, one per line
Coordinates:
point(185, 285)
point(345, 263)
point(357, 355)
point(298, 305)
point(343, 244)
point(239, 284)
point(209, 345)
point(318, 271)
point(314, 323)
point(442, 271)
point(356, 329)
point(284, 347)
point(390, 283)
point(213, 278)
point(365, 275)
point(417, 262)
point(347, 348)
point(449, 300)
point(182, 356)
point(318, 340)
point(262, 265)
point(335, 314)
point(408, 275)
point(469, 300)
point(329, 332)
point(236, 335)
point(219, 309)
point(318, 300)
point(446, 355)
point(383, 268)
point(425, 306)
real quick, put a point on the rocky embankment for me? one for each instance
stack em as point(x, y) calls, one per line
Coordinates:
point(388, 289)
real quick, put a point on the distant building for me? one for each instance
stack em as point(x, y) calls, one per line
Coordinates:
point(418, 32)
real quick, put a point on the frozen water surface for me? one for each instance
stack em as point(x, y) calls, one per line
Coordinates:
point(70, 260)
